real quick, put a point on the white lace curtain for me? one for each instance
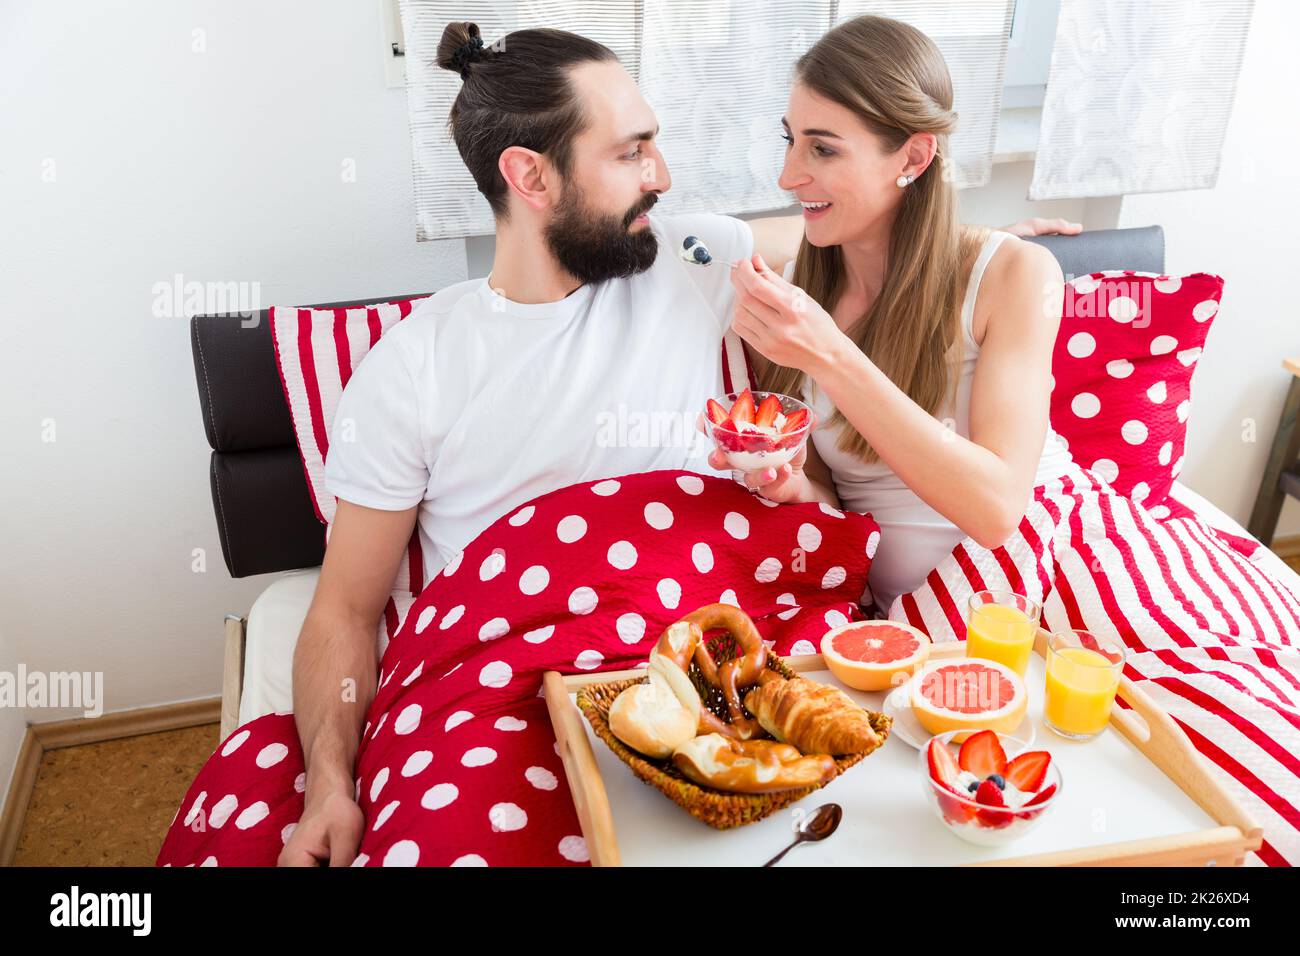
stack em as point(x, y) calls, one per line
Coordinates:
point(1139, 96)
point(717, 74)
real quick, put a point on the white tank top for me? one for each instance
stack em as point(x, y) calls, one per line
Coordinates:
point(913, 536)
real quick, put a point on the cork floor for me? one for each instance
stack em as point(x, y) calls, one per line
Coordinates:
point(110, 804)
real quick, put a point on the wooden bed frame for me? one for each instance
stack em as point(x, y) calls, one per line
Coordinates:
point(232, 673)
point(1282, 470)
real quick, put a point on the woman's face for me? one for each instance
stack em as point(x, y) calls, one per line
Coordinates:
point(839, 171)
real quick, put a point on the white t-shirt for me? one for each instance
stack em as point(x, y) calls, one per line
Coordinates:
point(474, 404)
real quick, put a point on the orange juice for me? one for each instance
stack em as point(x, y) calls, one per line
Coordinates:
point(1081, 687)
point(1001, 633)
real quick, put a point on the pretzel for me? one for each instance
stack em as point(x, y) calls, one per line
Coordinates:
point(751, 766)
point(683, 642)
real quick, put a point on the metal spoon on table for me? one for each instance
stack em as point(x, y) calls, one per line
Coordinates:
point(819, 826)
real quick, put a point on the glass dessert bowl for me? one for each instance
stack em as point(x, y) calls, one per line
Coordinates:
point(992, 789)
point(755, 430)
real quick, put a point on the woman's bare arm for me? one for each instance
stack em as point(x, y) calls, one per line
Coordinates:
point(981, 484)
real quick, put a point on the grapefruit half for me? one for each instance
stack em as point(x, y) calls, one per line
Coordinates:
point(874, 655)
point(968, 694)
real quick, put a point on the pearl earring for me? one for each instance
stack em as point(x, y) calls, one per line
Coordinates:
point(902, 181)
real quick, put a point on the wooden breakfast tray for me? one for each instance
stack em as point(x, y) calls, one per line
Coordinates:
point(1142, 796)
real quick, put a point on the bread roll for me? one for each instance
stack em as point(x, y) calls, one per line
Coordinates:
point(657, 717)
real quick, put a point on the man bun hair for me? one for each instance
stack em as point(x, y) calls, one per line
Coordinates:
point(516, 92)
point(460, 47)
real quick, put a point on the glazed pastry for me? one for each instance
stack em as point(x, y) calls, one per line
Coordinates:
point(750, 766)
point(816, 718)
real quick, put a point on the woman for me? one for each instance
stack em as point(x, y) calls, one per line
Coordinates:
point(924, 346)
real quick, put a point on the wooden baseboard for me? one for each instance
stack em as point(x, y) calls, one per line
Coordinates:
point(87, 730)
point(19, 795)
point(1286, 548)
point(127, 723)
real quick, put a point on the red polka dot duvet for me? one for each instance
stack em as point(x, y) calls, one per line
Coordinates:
point(457, 763)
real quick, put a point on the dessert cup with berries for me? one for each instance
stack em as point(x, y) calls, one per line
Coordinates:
point(990, 789)
point(755, 430)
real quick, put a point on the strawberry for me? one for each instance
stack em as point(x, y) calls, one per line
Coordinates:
point(1026, 772)
point(795, 421)
point(955, 810)
point(717, 414)
point(727, 438)
point(943, 771)
point(742, 410)
point(989, 795)
point(767, 411)
point(1039, 798)
point(982, 755)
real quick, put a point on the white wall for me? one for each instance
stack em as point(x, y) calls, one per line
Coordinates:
point(223, 165)
point(1246, 230)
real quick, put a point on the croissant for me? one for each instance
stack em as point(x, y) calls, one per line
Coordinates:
point(816, 718)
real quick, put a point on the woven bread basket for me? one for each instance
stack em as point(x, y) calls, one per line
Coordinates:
point(719, 809)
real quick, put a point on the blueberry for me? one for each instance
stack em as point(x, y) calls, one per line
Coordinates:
point(690, 241)
point(973, 786)
point(702, 255)
point(998, 781)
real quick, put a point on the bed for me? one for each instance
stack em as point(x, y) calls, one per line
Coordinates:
point(278, 613)
point(269, 524)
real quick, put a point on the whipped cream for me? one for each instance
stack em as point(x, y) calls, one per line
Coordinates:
point(755, 460)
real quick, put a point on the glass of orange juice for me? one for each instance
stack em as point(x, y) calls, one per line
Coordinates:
point(1001, 626)
point(1083, 672)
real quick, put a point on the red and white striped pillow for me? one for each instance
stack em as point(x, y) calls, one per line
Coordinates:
point(316, 351)
point(1122, 373)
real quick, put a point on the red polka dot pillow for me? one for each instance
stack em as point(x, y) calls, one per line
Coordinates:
point(316, 351)
point(1122, 374)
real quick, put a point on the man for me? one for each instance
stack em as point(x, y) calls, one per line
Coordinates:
point(494, 391)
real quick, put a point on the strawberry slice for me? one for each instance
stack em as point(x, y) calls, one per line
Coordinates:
point(1036, 801)
point(727, 438)
point(1026, 772)
point(742, 410)
point(755, 441)
point(795, 421)
point(717, 414)
point(1041, 796)
point(989, 795)
point(943, 769)
point(983, 755)
point(767, 411)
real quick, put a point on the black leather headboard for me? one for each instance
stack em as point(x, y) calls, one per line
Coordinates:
point(259, 491)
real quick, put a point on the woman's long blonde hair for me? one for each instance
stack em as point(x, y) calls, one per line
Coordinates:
point(893, 77)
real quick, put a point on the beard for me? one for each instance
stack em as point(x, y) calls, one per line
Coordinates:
point(594, 246)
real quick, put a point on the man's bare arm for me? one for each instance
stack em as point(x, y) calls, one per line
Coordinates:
point(776, 239)
point(334, 675)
